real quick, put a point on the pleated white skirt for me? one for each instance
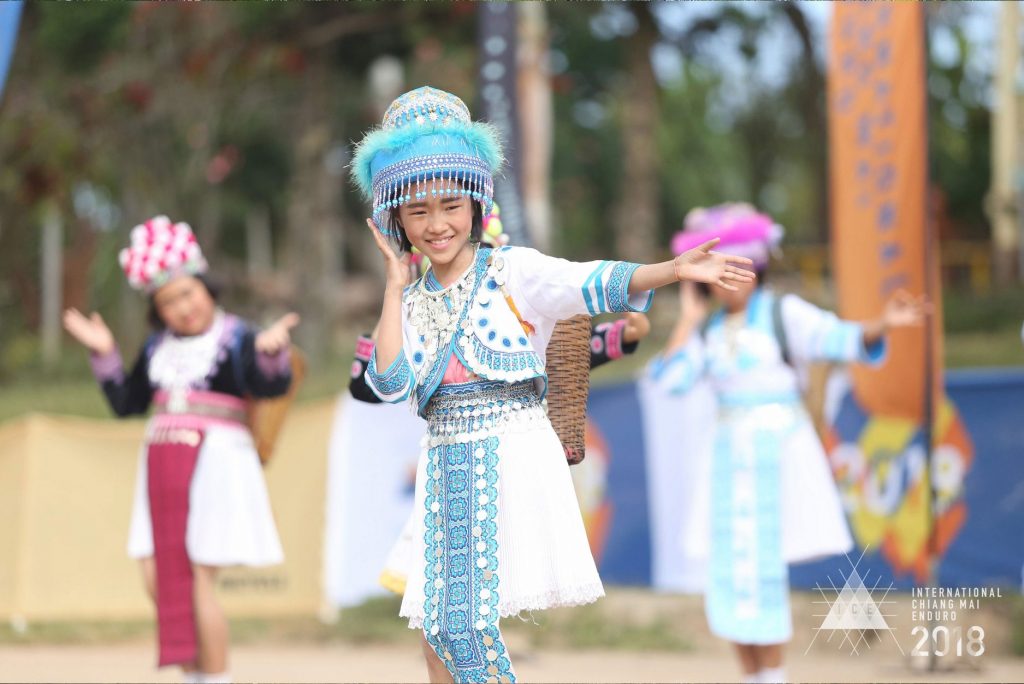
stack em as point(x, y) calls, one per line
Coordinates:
point(230, 520)
point(813, 521)
point(544, 558)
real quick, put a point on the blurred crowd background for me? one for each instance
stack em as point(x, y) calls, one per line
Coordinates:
point(240, 119)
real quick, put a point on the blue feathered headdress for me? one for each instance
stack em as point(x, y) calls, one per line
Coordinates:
point(427, 135)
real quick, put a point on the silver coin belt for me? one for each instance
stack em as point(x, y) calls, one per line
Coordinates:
point(469, 411)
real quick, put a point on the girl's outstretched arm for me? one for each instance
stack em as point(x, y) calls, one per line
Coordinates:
point(92, 333)
point(127, 393)
point(815, 334)
point(699, 264)
point(903, 310)
point(266, 358)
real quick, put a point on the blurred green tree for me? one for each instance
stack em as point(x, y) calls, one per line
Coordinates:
point(240, 119)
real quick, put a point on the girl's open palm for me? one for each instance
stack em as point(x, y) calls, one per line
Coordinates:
point(904, 310)
point(278, 336)
point(702, 265)
point(91, 332)
point(397, 268)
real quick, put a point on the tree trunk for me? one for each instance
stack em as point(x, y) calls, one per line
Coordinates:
point(812, 95)
point(498, 39)
point(637, 215)
point(1003, 201)
point(131, 321)
point(536, 113)
point(313, 236)
point(258, 242)
point(52, 257)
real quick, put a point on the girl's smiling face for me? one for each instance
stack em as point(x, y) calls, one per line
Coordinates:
point(439, 225)
point(185, 306)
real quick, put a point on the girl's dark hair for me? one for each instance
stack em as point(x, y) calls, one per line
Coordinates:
point(153, 316)
point(762, 274)
point(394, 227)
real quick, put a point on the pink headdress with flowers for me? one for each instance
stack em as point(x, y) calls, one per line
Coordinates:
point(744, 231)
point(159, 252)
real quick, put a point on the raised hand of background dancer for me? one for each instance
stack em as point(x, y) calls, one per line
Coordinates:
point(91, 332)
point(703, 265)
point(693, 310)
point(398, 270)
point(693, 306)
point(637, 327)
point(903, 310)
point(278, 336)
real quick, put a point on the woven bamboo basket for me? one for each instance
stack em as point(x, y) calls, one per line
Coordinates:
point(568, 368)
point(266, 416)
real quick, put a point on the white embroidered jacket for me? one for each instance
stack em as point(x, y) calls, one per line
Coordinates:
point(476, 319)
point(751, 368)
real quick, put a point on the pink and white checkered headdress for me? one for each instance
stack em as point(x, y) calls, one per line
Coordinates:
point(160, 251)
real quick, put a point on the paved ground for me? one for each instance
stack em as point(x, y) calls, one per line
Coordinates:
point(667, 636)
point(348, 663)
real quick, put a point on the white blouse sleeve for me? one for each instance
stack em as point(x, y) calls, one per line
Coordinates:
point(813, 334)
point(678, 371)
point(559, 289)
point(395, 383)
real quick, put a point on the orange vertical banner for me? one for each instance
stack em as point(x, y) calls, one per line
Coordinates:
point(878, 141)
point(899, 459)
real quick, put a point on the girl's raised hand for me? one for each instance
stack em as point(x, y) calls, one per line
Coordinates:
point(693, 306)
point(637, 327)
point(702, 265)
point(278, 336)
point(397, 268)
point(91, 332)
point(905, 310)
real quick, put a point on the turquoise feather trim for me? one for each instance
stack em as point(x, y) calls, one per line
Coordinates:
point(480, 137)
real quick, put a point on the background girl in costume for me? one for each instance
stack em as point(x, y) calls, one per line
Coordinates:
point(200, 499)
point(466, 343)
point(772, 499)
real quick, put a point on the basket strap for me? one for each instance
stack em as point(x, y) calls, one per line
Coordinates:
point(523, 323)
point(779, 328)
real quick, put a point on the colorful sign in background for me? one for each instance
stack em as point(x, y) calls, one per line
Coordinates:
point(988, 550)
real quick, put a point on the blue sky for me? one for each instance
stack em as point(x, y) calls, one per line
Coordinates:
point(778, 49)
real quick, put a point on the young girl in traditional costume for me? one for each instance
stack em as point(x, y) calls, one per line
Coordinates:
point(356, 565)
point(346, 579)
point(200, 499)
point(466, 343)
point(772, 497)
